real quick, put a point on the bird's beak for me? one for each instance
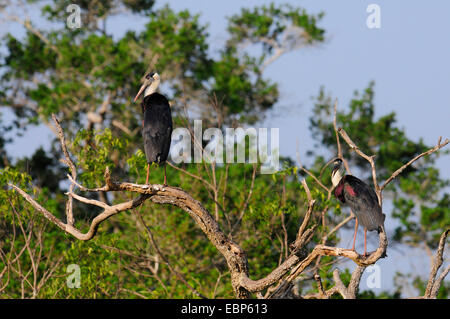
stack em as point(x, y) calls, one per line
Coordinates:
point(333, 171)
point(143, 87)
point(326, 165)
point(337, 167)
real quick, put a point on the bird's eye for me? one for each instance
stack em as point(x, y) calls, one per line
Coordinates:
point(148, 76)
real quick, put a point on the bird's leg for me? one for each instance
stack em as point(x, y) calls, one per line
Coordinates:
point(165, 176)
point(356, 230)
point(148, 171)
point(365, 246)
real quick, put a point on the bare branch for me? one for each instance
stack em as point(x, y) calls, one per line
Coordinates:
point(107, 213)
point(438, 146)
point(353, 285)
point(122, 127)
point(338, 142)
point(438, 282)
point(339, 285)
point(337, 227)
point(307, 217)
point(26, 23)
point(294, 264)
point(432, 286)
point(318, 281)
point(68, 161)
point(308, 172)
point(160, 254)
point(354, 147)
point(192, 175)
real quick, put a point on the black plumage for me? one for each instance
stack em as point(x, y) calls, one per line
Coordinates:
point(361, 198)
point(157, 128)
point(363, 201)
point(157, 123)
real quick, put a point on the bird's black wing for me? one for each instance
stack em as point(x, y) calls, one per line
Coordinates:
point(157, 130)
point(364, 202)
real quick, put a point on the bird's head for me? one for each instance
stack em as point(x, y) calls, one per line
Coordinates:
point(149, 85)
point(338, 171)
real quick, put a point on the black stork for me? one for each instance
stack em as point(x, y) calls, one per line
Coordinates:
point(361, 198)
point(157, 123)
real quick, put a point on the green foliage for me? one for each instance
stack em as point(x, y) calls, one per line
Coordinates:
point(419, 197)
point(180, 42)
point(72, 72)
point(10, 175)
point(44, 170)
point(95, 152)
point(238, 80)
point(87, 74)
point(375, 136)
point(418, 201)
point(421, 285)
point(235, 85)
point(369, 294)
point(92, 14)
point(271, 22)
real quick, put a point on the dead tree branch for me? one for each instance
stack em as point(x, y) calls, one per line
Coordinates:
point(433, 285)
point(438, 146)
point(294, 264)
point(161, 255)
point(68, 161)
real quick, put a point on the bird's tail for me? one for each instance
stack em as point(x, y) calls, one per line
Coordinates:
point(381, 227)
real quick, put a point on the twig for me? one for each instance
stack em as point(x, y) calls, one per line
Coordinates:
point(161, 255)
point(319, 284)
point(245, 205)
point(432, 289)
point(107, 213)
point(301, 167)
point(338, 141)
point(68, 161)
point(438, 282)
point(311, 203)
point(366, 157)
point(192, 175)
point(438, 146)
point(337, 227)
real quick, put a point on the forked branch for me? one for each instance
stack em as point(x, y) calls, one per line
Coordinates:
point(434, 283)
point(285, 273)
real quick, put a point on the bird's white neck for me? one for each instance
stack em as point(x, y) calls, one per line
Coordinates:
point(151, 88)
point(336, 177)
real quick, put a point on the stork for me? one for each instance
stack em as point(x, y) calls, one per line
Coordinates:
point(157, 123)
point(361, 198)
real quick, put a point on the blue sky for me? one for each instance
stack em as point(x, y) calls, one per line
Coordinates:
point(408, 58)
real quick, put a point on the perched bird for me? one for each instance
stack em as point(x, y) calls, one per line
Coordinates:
point(361, 198)
point(157, 123)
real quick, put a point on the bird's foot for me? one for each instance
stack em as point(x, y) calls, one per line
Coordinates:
point(352, 250)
